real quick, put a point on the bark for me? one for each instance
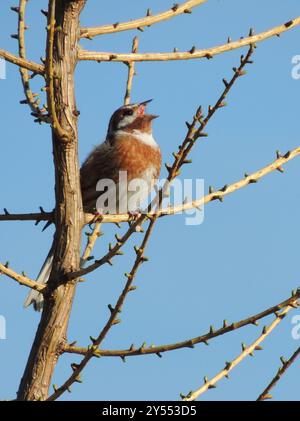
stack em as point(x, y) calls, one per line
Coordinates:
point(51, 332)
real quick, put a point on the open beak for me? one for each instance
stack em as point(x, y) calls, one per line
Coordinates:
point(146, 102)
point(141, 110)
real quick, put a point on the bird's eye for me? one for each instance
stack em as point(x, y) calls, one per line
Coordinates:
point(128, 112)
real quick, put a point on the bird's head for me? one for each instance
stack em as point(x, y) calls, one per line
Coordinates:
point(131, 117)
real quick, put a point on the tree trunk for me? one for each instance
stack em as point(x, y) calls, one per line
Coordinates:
point(51, 332)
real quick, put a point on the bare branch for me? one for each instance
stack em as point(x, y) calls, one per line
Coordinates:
point(38, 217)
point(21, 279)
point(191, 54)
point(32, 100)
point(148, 20)
point(208, 384)
point(189, 343)
point(282, 370)
point(26, 64)
point(131, 72)
point(91, 241)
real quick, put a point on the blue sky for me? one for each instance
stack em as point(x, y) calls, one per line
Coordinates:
point(242, 259)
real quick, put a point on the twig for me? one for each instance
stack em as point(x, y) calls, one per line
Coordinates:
point(282, 370)
point(26, 64)
point(62, 134)
point(142, 22)
point(21, 279)
point(208, 384)
point(38, 217)
point(91, 241)
point(189, 343)
point(191, 54)
point(131, 72)
point(31, 99)
point(96, 342)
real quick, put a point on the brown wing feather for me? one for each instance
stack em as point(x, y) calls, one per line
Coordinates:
point(98, 165)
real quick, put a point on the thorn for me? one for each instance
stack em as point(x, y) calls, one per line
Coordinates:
point(283, 360)
point(267, 396)
point(205, 379)
point(189, 11)
point(209, 56)
point(192, 50)
point(123, 358)
point(14, 36)
point(251, 32)
point(116, 321)
point(110, 307)
point(203, 134)
point(211, 189)
point(280, 169)
point(149, 12)
point(47, 225)
point(206, 342)
point(73, 343)
point(93, 340)
point(175, 7)
point(159, 354)
point(132, 288)
point(115, 25)
point(168, 167)
point(229, 40)
point(287, 155)
point(175, 50)
point(44, 12)
point(15, 9)
point(211, 329)
point(264, 331)
point(228, 365)
point(225, 323)
point(258, 348)
point(6, 211)
point(55, 387)
point(243, 346)
point(131, 347)
point(212, 386)
point(140, 29)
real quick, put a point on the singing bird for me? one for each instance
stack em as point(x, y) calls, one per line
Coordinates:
point(124, 167)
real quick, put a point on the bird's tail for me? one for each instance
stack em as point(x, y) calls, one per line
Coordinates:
point(34, 297)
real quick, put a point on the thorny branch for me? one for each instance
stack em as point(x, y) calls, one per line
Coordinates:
point(193, 53)
point(248, 179)
point(18, 61)
point(229, 365)
point(189, 343)
point(282, 370)
point(131, 72)
point(32, 99)
point(148, 20)
point(21, 279)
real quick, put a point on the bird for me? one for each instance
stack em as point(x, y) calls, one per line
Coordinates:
point(117, 176)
